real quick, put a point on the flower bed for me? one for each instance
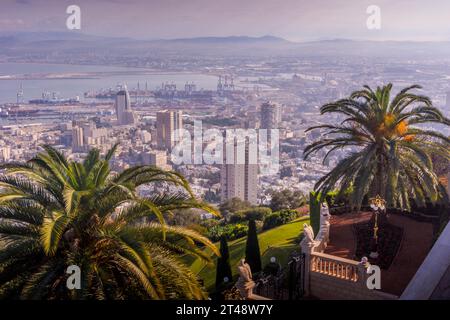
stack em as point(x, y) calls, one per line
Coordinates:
point(389, 239)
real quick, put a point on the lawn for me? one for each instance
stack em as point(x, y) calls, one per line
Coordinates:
point(278, 242)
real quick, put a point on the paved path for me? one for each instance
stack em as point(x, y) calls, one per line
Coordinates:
point(416, 243)
point(342, 238)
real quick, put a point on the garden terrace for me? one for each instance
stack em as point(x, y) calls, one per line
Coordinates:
point(414, 245)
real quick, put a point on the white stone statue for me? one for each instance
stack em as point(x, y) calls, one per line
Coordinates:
point(308, 241)
point(324, 211)
point(317, 243)
point(324, 232)
point(245, 283)
point(309, 233)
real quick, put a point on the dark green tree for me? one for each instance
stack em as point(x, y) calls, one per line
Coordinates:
point(223, 264)
point(233, 205)
point(314, 211)
point(287, 199)
point(252, 253)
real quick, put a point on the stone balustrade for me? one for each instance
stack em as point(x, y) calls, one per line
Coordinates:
point(333, 277)
point(335, 266)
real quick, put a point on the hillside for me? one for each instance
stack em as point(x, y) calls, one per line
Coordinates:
point(277, 242)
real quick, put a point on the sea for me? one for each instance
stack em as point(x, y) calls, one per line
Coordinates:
point(100, 77)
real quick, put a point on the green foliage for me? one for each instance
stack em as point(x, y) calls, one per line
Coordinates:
point(441, 164)
point(314, 211)
point(254, 213)
point(393, 149)
point(55, 213)
point(233, 205)
point(229, 231)
point(182, 217)
point(237, 217)
point(339, 198)
point(223, 264)
point(257, 213)
point(278, 218)
point(287, 199)
point(252, 253)
point(210, 223)
point(211, 196)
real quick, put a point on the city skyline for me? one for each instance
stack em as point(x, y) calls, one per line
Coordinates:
point(312, 136)
point(292, 20)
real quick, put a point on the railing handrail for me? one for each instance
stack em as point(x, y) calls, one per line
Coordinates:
point(335, 267)
point(335, 258)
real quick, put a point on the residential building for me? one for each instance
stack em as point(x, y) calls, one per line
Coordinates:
point(166, 124)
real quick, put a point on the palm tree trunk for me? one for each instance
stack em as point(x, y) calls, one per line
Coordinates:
point(381, 191)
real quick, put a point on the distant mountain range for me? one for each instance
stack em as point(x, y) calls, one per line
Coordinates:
point(232, 39)
point(44, 36)
point(75, 42)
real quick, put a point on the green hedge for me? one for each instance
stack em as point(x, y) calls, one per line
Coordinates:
point(279, 217)
point(255, 213)
point(229, 231)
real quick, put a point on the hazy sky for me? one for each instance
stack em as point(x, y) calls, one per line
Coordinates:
point(292, 19)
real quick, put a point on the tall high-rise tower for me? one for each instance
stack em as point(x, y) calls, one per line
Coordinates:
point(166, 124)
point(270, 115)
point(77, 139)
point(239, 180)
point(125, 115)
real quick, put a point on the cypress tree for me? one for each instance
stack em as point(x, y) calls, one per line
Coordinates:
point(314, 211)
point(252, 253)
point(223, 263)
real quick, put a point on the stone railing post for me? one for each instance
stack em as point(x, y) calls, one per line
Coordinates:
point(245, 283)
point(325, 224)
point(307, 245)
point(362, 271)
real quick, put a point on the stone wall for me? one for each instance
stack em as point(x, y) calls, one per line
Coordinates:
point(331, 288)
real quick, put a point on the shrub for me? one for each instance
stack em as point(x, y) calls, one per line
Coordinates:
point(272, 221)
point(183, 218)
point(287, 199)
point(209, 223)
point(229, 231)
point(337, 198)
point(233, 205)
point(237, 217)
point(288, 215)
point(278, 218)
point(255, 213)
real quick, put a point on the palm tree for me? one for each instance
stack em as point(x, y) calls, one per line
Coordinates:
point(390, 147)
point(55, 213)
